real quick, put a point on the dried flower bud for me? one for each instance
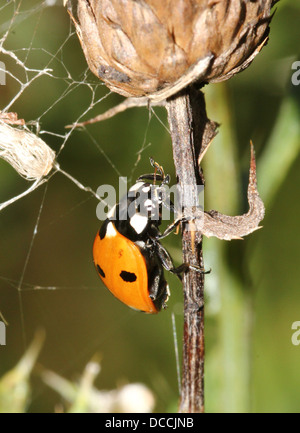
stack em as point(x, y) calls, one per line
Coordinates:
point(155, 48)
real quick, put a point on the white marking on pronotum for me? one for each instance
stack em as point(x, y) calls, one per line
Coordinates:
point(136, 186)
point(110, 231)
point(138, 222)
point(146, 189)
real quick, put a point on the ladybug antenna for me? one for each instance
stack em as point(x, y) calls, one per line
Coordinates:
point(158, 168)
point(158, 175)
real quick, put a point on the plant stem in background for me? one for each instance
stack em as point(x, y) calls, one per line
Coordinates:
point(272, 171)
point(229, 360)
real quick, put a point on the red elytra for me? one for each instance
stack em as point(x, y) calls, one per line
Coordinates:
point(123, 269)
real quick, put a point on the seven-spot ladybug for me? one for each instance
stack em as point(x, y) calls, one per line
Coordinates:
point(128, 255)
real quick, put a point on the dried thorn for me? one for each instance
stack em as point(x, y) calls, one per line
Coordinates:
point(205, 148)
point(124, 105)
point(236, 227)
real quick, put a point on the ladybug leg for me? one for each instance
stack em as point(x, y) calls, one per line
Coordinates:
point(154, 287)
point(184, 267)
point(163, 255)
point(168, 264)
point(170, 228)
point(158, 287)
point(173, 225)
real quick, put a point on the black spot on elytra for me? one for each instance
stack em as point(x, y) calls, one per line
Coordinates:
point(129, 277)
point(101, 272)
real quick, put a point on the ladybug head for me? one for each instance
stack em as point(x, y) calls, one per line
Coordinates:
point(140, 212)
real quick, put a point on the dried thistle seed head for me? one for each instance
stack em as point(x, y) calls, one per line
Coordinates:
point(155, 48)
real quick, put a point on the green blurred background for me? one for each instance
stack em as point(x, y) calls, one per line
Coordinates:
point(48, 281)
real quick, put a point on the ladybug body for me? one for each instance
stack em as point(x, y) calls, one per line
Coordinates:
point(129, 270)
point(128, 255)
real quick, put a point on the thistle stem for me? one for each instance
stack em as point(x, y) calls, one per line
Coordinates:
point(191, 132)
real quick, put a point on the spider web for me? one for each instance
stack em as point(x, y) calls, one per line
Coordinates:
point(46, 270)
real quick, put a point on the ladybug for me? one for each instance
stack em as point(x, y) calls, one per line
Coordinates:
point(127, 252)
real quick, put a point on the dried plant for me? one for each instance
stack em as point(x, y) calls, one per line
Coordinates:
point(155, 51)
point(154, 48)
